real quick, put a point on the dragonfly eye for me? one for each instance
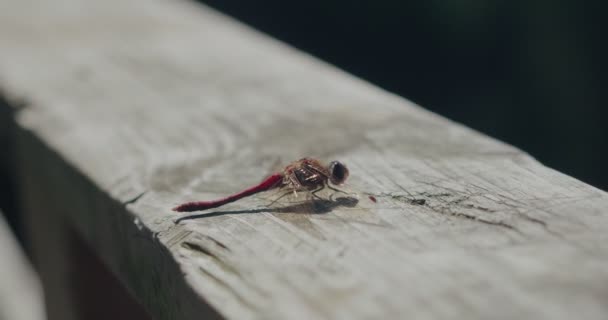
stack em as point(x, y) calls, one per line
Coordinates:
point(338, 172)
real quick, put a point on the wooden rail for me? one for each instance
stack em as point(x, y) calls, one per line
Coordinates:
point(134, 106)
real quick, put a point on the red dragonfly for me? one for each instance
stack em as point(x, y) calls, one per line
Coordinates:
point(306, 174)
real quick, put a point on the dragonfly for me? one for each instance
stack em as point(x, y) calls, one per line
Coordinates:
point(306, 174)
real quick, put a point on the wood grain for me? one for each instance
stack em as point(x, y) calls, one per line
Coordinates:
point(136, 106)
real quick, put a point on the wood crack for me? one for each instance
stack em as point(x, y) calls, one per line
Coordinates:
point(134, 199)
point(201, 249)
point(425, 199)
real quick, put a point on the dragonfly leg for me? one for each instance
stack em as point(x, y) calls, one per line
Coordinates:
point(338, 190)
point(279, 198)
point(314, 192)
point(295, 183)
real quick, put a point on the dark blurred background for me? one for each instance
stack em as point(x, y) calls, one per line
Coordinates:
point(531, 73)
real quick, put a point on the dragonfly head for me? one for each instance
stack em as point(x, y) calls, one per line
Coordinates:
point(338, 172)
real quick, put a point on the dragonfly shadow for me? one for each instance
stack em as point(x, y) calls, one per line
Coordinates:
point(317, 206)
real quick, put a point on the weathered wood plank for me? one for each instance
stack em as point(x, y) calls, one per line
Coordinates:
point(135, 106)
